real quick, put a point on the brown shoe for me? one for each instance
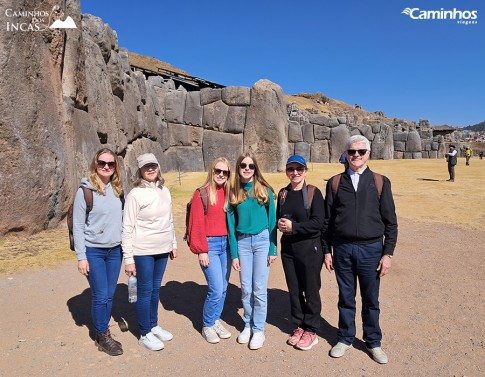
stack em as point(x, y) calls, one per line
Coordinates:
point(108, 333)
point(107, 344)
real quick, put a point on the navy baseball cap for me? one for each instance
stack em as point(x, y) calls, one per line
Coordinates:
point(298, 159)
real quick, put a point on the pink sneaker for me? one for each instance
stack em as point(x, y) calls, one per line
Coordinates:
point(307, 341)
point(295, 338)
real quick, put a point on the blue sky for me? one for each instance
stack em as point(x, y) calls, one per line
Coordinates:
point(359, 52)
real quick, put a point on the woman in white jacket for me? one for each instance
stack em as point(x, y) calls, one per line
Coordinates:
point(148, 240)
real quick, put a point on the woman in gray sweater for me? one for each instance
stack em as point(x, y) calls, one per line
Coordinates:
point(97, 241)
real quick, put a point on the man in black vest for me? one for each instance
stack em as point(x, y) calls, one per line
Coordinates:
point(361, 229)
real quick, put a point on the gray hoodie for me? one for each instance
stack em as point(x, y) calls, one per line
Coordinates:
point(104, 224)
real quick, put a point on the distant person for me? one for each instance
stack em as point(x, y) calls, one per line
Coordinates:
point(468, 155)
point(252, 239)
point(480, 154)
point(97, 241)
point(361, 231)
point(207, 232)
point(343, 160)
point(451, 158)
point(148, 240)
point(300, 212)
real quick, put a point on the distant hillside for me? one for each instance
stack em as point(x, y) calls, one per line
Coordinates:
point(476, 127)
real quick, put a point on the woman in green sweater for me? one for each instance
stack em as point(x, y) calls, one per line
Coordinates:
point(252, 240)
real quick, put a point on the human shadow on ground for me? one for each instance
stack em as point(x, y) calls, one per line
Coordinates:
point(188, 298)
point(122, 311)
point(429, 179)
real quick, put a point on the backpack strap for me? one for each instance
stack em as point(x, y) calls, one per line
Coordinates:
point(205, 199)
point(88, 198)
point(379, 181)
point(335, 184)
point(311, 191)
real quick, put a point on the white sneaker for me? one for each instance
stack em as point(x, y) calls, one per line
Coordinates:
point(244, 336)
point(257, 340)
point(339, 349)
point(378, 355)
point(210, 335)
point(162, 334)
point(221, 331)
point(151, 342)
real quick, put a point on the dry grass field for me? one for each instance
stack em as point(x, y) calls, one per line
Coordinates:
point(432, 302)
point(420, 190)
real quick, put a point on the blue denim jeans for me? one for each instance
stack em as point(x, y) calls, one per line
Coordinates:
point(354, 262)
point(217, 275)
point(104, 270)
point(149, 273)
point(253, 258)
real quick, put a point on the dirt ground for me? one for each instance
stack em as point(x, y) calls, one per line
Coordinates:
point(432, 316)
point(432, 303)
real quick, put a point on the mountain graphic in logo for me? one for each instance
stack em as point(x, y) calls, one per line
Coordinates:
point(68, 23)
point(407, 11)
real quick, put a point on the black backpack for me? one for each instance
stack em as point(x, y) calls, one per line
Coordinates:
point(378, 180)
point(88, 198)
point(205, 202)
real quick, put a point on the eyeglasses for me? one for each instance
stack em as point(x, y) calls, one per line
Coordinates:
point(101, 164)
point(298, 169)
point(361, 152)
point(243, 165)
point(225, 173)
point(151, 166)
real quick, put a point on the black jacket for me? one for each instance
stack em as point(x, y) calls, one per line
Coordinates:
point(360, 217)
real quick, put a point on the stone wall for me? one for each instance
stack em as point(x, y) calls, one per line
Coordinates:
point(67, 93)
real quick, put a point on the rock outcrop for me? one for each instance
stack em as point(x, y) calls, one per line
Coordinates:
point(65, 93)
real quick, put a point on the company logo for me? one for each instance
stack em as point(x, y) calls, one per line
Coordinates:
point(465, 17)
point(37, 20)
point(68, 23)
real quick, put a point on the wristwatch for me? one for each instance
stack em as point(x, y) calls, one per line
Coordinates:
point(388, 255)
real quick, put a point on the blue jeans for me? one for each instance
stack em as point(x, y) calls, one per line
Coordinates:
point(104, 270)
point(253, 258)
point(352, 262)
point(149, 273)
point(217, 275)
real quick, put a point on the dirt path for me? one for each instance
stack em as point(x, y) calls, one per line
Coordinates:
point(432, 316)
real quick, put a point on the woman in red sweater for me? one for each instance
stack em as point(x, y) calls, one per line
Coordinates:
point(208, 239)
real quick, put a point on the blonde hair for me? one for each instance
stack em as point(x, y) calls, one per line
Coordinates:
point(115, 178)
point(260, 187)
point(211, 184)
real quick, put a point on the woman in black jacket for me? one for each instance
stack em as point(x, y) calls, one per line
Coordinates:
point(300, 213)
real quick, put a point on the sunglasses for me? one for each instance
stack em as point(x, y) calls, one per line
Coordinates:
point(225, 173)
point(101, 164)
point(243, 165)
point(151, 166)
point(298, 169)
point(361, 152)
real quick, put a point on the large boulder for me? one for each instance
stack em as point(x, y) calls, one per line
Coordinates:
point(266, 132)
point(338, 137)
point(320, 151)
point(413, 143)
point(219, 144)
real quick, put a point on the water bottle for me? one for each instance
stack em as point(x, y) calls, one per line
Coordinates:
point(132, 297)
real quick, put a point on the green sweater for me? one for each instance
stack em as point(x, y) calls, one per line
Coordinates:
point(252, 218)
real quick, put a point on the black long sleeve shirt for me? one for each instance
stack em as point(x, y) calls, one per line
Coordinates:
point(305, 224)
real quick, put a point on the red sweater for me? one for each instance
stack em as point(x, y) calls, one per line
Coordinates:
point(214, 224)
